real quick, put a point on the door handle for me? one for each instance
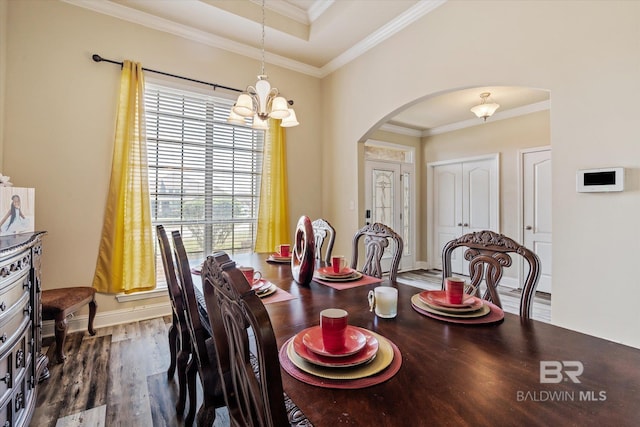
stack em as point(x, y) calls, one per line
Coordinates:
point(465, 225)
point(459, 224)
point(528, 227)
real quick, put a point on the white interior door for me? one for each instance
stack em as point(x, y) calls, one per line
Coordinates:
point(465, 199)
point(536, 169)
point(447, 211)
point(388, 200)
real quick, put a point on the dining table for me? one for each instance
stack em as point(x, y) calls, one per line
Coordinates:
point(511, 372)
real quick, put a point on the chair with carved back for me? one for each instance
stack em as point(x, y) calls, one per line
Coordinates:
point(376, 239)
point(488, 254)
point(179, 338)
point(323, 231)
point(203, 359)
point(241, 324)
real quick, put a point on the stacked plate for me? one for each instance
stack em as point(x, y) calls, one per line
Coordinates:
point(345, 275)
point(436, 302)
point(276, 257)
point(365, 353)
point(264, 288)
point(472, 310)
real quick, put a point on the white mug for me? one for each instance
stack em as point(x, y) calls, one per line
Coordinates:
point(384, 299)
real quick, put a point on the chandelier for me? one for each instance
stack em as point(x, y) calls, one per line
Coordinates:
point(262, 101)
point(485, 109)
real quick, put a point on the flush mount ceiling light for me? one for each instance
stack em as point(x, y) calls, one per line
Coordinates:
point(486, 108)
point(262, 101)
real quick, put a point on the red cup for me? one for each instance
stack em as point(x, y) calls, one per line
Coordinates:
point(253, 276)
point(338, 263)
point(283, 250)
point(333, 323)
point(454, 289)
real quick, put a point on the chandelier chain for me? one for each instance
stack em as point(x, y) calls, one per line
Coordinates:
point(262, 73)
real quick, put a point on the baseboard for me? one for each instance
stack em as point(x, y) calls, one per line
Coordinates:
point(422, 265)
point(111, 318)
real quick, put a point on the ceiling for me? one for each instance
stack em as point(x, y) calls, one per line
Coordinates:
point(316, 37)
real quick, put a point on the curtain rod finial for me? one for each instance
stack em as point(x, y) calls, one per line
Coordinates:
point(96, 57)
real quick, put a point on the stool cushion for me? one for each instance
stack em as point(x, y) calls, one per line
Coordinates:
point(65, 300)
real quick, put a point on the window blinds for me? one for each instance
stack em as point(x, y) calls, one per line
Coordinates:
point(204, 174)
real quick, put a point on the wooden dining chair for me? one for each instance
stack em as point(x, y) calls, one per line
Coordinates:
point(203, 359)
point(179, 339)
point(323, 232)
point(376, 239)
point(488, 254)
point(241, 324)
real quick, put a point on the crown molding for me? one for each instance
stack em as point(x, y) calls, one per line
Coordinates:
point(119, 11)
point(401, 130)
point(150, 21)
point(392, 27)
point(318, 8)
point(286, 9)
point(507, 114)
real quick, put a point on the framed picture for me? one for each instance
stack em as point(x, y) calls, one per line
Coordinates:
point(18, 208)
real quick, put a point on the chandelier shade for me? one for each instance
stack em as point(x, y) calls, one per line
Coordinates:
point(485, 109)
point(262, 101)
point(290, 120)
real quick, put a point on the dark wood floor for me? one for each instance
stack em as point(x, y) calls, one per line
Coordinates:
point(116, 378)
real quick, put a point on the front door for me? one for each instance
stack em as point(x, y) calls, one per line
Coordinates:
point(388, 190)
point(536, 169)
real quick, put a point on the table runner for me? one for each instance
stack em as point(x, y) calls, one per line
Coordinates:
point(277, 296)
point(364, 280)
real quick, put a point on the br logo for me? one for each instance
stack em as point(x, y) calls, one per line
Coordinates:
point(556, 371)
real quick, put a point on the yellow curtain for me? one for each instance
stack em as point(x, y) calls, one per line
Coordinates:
point(126, 255)
point(273, 212)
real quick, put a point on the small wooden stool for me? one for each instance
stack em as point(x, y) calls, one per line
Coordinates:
point(57, 304)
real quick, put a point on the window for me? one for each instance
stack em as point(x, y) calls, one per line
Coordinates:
point(204, 174)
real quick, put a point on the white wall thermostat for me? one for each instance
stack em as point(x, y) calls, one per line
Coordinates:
point(600, 180)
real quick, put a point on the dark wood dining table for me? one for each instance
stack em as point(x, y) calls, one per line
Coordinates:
point(452, 374)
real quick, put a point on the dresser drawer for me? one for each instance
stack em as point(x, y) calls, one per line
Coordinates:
point(21, 399)
point(13, 324)
point(11, 294)
point(12, 268)
point(15, 364)
point(6, 415)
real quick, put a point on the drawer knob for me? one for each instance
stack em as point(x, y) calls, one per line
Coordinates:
point(27, 284)
point(3, 338)
point(19, 401)
point(3, 306)
point(6, 379)
point(19, 358)
point(27, 310)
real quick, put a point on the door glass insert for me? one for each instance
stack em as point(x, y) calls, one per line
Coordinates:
point(406, 212)
point(383, 193)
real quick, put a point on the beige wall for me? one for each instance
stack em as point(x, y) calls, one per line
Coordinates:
point(3, 68)
point(59, 116)
point(582, 52)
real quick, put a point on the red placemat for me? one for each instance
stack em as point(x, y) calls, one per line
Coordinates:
point(277, 296)
point(308, 378)
point(495, 315)
point(364, 280)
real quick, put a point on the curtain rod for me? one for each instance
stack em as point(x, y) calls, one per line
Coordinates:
point(98, 58)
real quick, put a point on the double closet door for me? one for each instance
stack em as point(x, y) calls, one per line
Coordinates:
point(465, 199)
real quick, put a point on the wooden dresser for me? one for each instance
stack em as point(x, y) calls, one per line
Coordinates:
point(22, 364)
